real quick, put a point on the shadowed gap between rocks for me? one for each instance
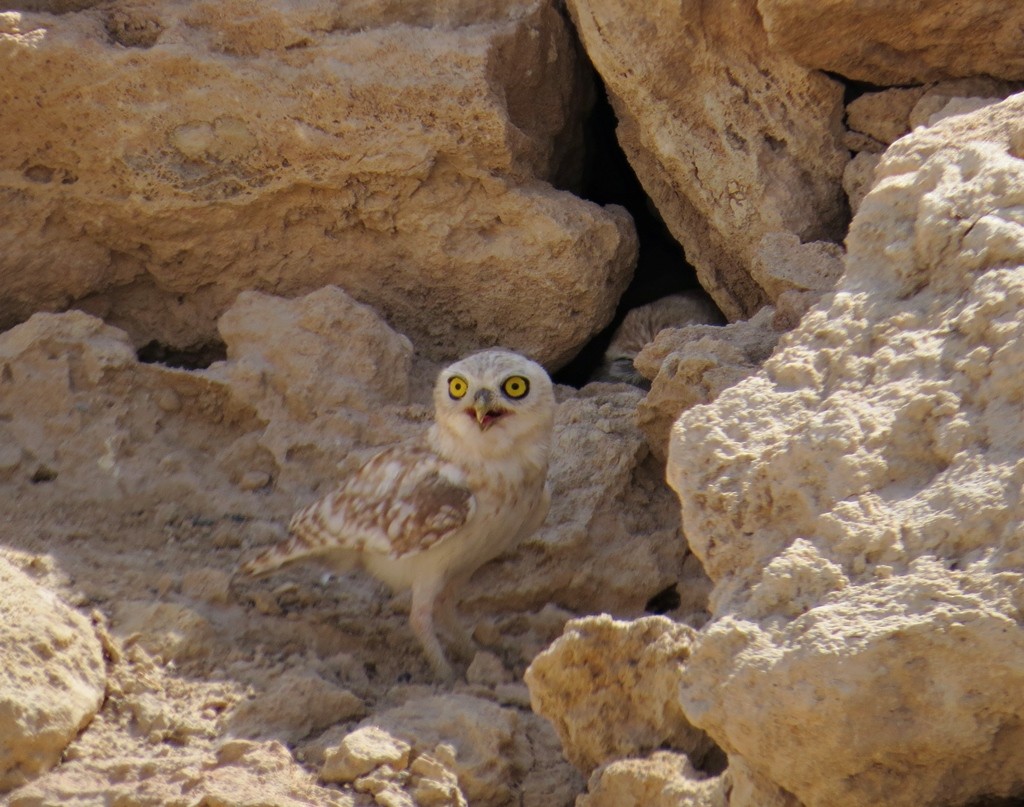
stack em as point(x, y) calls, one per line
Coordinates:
point(197, 357)
point(662, 269)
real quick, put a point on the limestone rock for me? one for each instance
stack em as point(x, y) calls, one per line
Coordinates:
point(362, 751)
point(859, 178)
point(609, 687)
point(316, 352)
point(884, 116)
point(209, 148)
point(51, 681)
point(664, 779)
point(693, 365)
point(293, 705)
point(948, 98)
point(902, 42)
point(783, 264)
point(857, 501)
point(449, 749)
point(168, 631)
point(252, 774)
point(91, 422)
point(730, 138)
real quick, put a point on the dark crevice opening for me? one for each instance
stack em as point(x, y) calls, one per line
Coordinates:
point(197, 357)
point(662, 269)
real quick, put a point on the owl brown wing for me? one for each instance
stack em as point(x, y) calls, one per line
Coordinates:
point(404, 500)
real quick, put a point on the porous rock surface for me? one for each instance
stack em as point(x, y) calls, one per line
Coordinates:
point(663, 779)
point(162, 157)
point(447, 750)
point(900, 42)
point(610, 686)
point(692, 365)
point(858, 502)
point(732, 140)
point(51, 681)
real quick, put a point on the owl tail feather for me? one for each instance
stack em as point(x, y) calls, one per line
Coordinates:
point(272, 559)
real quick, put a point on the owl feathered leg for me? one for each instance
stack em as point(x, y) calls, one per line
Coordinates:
point(421, 620)
point(451, 626)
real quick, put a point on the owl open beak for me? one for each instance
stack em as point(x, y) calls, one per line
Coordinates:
point(484, 409)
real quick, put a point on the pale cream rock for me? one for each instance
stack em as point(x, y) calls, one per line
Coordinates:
point(899, 42)
point(362, 751)
point(166, 630)
point(51, 680)
point(159, 158)
point(609, 687)
point(693, 365)
point(664, 779)
point(947, 98)
point(859, 177)
point(448, 749)
point(885, 115)
point(730, 138)
point(293, 705)
point(857, 501)
point(783, 264)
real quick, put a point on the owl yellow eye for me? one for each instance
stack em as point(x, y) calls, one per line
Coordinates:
point(457, 387)
point(515, 386)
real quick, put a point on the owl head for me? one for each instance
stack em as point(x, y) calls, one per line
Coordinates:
point(497, 401)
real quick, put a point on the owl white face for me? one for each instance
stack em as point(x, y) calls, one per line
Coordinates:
point(495, 397)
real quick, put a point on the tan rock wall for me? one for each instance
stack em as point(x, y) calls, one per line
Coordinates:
point(858, 501)
point(159, 159)
point(902, 42)
point(731, 139)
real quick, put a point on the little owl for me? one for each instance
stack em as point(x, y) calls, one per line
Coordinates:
point(426, 515)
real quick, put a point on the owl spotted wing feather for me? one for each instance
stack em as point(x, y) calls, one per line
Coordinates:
point(402, 501)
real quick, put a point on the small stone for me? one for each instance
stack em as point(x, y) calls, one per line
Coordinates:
point(362, 751)
point(254, 480)
point(208, 585)
point(168, 400)
point(487, 670)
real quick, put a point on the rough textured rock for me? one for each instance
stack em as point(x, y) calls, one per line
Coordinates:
point(77, 408)
point(783, 264)
point(691, 366)
point(167, 156)
point(306, 381)
point(52, 679)
point(902, 42)
point(948, 98)
point(610, 689)
point(884, 116)
point(859, 177)
point(451, 750)
point(858, 504)
point(664, 779)
point(730, 139)
point(294, 705)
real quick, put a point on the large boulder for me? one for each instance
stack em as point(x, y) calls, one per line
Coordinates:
point(857, 502)
point(51, 681)
point(157, 159)
point(902, 41)
point(731, 139)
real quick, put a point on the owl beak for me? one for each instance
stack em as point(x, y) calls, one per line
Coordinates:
point(484, 409)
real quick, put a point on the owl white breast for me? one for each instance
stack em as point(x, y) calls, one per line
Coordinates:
point(425, 515)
